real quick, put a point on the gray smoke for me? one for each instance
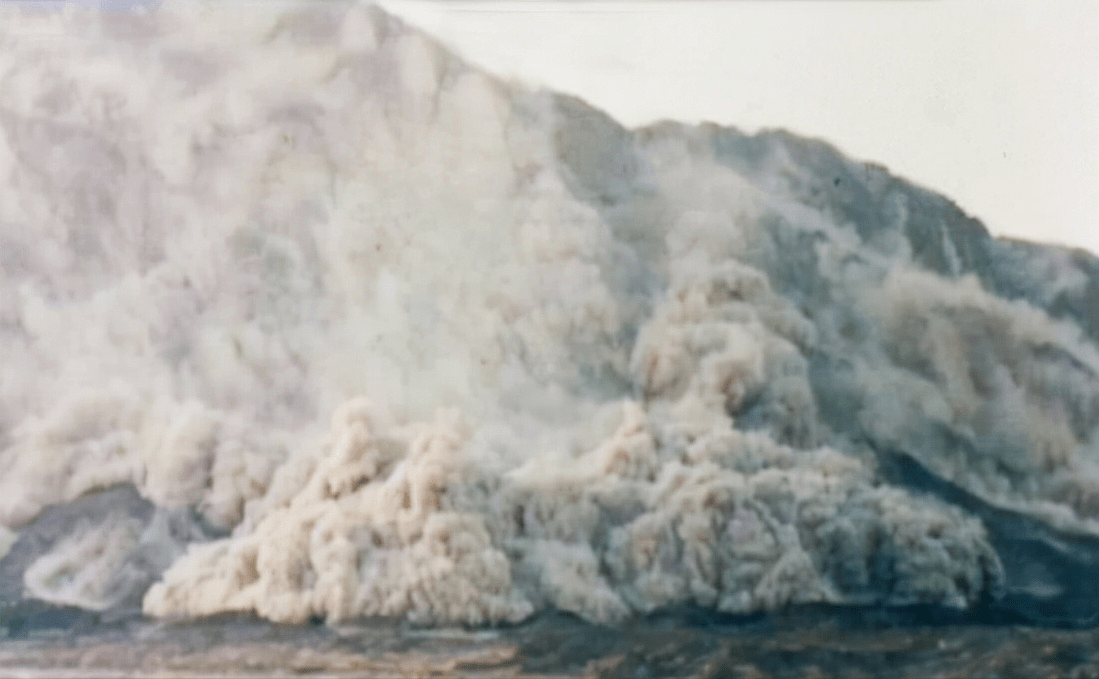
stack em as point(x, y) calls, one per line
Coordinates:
point(419, 343)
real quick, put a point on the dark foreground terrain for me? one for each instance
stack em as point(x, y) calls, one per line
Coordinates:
point(805, 643)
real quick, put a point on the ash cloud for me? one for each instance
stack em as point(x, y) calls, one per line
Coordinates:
point(415, 342)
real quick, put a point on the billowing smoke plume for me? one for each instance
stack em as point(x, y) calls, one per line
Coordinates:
point(378, 334)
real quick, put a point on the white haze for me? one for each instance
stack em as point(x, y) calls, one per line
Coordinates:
point(992, 103)
point(312, 275)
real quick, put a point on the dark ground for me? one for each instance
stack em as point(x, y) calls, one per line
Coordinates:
point(810, 642)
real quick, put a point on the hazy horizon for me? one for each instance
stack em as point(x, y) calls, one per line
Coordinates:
point(993, 109)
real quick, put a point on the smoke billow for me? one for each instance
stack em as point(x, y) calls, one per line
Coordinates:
point(372, 333)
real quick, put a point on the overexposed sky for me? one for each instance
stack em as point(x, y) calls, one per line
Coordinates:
point(995, 104)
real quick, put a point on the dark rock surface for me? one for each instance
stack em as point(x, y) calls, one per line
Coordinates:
point(1050, 574)
point(162, 538)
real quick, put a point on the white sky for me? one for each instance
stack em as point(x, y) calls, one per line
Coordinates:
point(994, 104)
